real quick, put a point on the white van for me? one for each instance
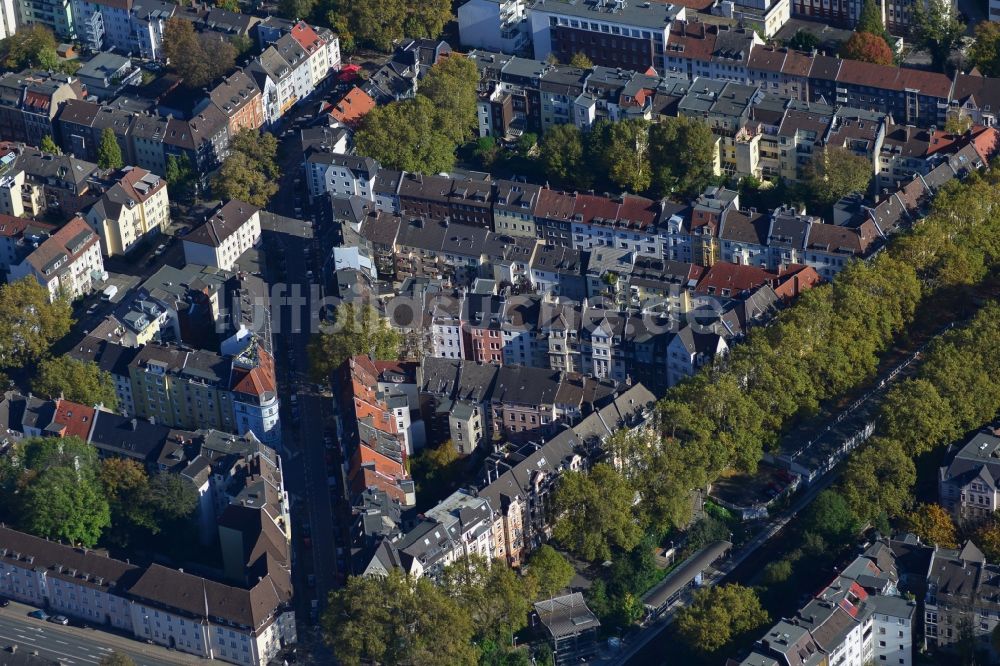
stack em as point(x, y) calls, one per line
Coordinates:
point(109, 293)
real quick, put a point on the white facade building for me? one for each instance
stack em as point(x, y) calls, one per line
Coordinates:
point(220, 241)
point(494, 25)
point(67, 263)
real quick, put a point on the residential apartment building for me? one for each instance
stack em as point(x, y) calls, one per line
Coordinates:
point(165, 606)
point(68, 263)
point(56, 15)
point(962, 591)
point(496, 25)
point(30, 100)
point(240, 100)
point(8, 18)
point(612, 33)
point(231, 230)
point(967, 484)
point(860, 618)
point(135, 208)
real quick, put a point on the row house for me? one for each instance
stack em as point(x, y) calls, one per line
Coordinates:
point(962, 595)
point(68, 263)
point(34, 182)
point(378, 436)
point(720, 52)
point(292, 66)
point(30, 100)
point(146, 141)
point(967, 484)
point(168, 607)
point(222, 239)
point(134, 209)
point(240, 100)
point(197, 389)
point(861, 617)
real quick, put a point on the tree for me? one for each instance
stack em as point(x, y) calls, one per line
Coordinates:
point(581, 61)
point(358, 330)
point(594, 513)
point(957, 122)
point(879, 477)
point(116, 659)
point(803, 40)
point(452, 87)
point(937, 29)
point(984, 53)
point(250, 172)
point(173, 496)
point(396, 619)
point(561, 153)
point(777, 572)
point(109, 153)
point(683, 152)
point(987, 537)
point(126, 486)
point(497, 599)
point(718, 614)
point(62, 503)
point(831, 517)
point(31, 46)
point(706, 530)
point(297, 9)
point(408, 136)
point(870, 20)
point(49, 146)
point(77, 381)
point(833, 173)
point(180, 177)
point(526, 144)
point(933, 525)
point(915, 415)
point(867, 47)
point(486, 150)
point(198, 59)
point(436, 469)
point(29, 323)
point(627, 155)
point(229, 5)
point(552, 571)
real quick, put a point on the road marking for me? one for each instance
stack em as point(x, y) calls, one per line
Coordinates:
point(47, 649)
point(23, 637)
point(59, 641)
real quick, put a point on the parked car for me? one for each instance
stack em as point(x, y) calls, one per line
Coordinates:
point(39, 615)
point(58, 619)
point(160, 249)
point(4, 602)
point(311, 580)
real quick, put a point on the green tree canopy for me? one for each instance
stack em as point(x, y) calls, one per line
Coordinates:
point(683, 156)
point(552, 571)
point(49, 146)
point(581, 60)
point(985, 50)
point(407, 135)
point(172, 496)
point(833, 173)
point(870, 20)
point(109, 153)
point(937, 29)
point(30, 46)
point(250, 171)
point(497, 598)
point(803, 40)
point(297, 9)
point(718, 614)
point(627, 155)
point(562, 156)
point(29, 323)
point(358, 330)
point(78, 381)
point(915, 415)
point(180, 177)
point(451, 85)
point(594, 513)
point(831, 516)
point(933, 525)
point(198, 59)
point(879, 477)
point(398, 620)
point(62, 503)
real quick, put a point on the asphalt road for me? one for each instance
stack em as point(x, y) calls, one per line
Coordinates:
point(74, 645)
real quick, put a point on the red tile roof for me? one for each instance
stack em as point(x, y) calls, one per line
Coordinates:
point(353, 107)
point(75, 418)
point(305, 36)
point(734, 277)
